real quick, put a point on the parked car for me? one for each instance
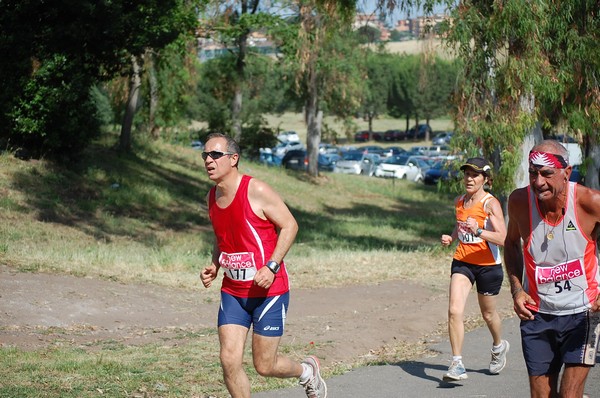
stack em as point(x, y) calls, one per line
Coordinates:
point(288, 136)
point(437, 150)
point(576, 175)
point(419, 132)
point(284, 147)
point(371, 149)
point(442, 138)
point(297, 159)
point(441, 170)
point(401, 166)
point(392, 151)
point(394, 135)
point(363, 136)
point(418, 150)
point(328, 148)
point(197, 145)
point(357, 162)
point(266, 156)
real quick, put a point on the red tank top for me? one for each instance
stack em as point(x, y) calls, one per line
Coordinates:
point(246, 243)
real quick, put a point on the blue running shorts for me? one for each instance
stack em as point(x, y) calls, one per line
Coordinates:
point(548, 341)
point(266, 314)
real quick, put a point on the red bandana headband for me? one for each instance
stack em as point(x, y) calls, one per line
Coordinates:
point(542, 159)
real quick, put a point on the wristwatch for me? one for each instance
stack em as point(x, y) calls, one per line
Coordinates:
point(478, 232)
point(273, 266)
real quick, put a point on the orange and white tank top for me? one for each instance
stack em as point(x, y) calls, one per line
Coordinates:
point(561, 262)
point(472, 249)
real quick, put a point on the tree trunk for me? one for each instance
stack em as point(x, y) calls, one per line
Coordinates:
point(135, 83)
point(153, 81)
point(592, 172)
point(314, 118)
point(236, 114)
point(236, 107)
point(533, 137)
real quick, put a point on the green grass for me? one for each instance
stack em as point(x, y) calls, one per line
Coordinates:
point(142, 218)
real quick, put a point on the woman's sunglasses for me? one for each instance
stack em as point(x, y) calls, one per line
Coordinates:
point(215, 154)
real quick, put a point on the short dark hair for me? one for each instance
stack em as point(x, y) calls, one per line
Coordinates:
point(232, 145)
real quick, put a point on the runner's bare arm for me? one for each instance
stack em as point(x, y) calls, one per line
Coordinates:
point(513, 254)
point(496, 216)
point(588, 200)
point(209, 273)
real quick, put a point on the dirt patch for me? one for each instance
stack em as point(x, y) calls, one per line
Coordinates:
point(346, 323)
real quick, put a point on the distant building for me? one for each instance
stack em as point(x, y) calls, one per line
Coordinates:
point(257, 43)
point(418, 27)
point(370, 20)
point(402, 25)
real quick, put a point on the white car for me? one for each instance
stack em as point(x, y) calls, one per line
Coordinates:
point(357, 162)
point(402, 167)
point(283, 147)
point(288, 136)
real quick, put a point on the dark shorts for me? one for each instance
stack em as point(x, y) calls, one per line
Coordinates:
point(487, 277)
point(549, 341)
point(266, 314)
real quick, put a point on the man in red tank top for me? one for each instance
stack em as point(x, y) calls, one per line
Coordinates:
point(254, 230)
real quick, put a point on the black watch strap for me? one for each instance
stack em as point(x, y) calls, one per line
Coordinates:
point(273, 266)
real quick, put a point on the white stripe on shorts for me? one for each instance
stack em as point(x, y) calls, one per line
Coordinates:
point(591, 341)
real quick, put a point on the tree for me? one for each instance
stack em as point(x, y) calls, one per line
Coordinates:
point(264, 91)
point(319, 23)
point(232, 26)
point(526, 65)
point(59, 51)
point(403, 92)
point(164, 22)
point(378, 85)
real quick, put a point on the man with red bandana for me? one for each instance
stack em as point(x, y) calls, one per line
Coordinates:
point(551, 259)
point(254, 230)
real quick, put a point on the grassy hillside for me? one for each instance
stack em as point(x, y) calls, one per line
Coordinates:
point(142, 217)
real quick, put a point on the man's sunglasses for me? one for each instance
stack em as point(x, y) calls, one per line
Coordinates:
point(215, 154)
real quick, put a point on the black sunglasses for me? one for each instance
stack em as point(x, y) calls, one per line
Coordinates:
point(215, 154)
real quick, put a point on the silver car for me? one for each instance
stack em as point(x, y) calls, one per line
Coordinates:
point(403, 167)
point(357, 162)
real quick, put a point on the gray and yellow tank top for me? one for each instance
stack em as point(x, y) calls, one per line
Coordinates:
point(561, 262)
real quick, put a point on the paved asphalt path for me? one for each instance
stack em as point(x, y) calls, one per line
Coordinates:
point(422, 378)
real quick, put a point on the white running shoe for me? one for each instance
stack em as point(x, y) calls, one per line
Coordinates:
point(315, 386)
point(498, 361)
point(456, 372)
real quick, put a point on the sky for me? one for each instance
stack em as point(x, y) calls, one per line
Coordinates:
point(370, 6)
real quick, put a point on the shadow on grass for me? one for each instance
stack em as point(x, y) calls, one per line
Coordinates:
point(137, 196)
point(147, 194)
point(406, 219)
